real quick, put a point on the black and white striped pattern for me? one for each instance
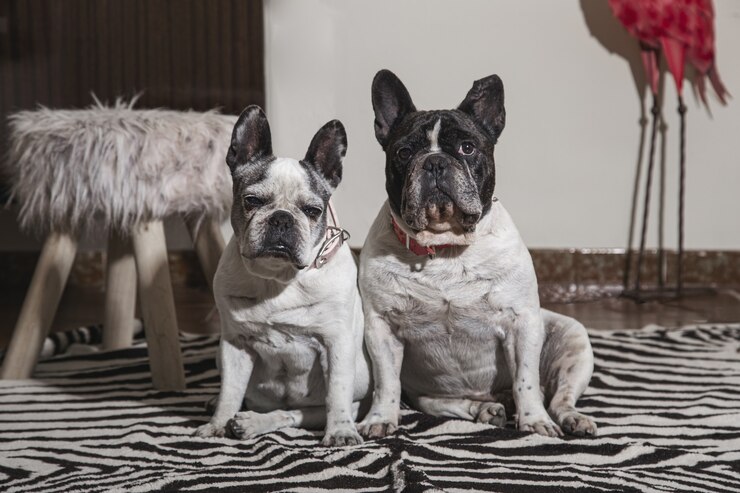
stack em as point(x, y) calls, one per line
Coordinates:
point(667, 403)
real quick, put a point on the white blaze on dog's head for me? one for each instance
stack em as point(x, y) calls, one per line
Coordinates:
point(279, 210)
point(286, 182)
point(433, 136)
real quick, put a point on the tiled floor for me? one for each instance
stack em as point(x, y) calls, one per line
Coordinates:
point(602, 310)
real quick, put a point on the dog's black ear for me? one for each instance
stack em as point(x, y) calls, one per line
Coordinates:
point(251, 139)
point(485, 103)
point(391, 102)
point(327, 150)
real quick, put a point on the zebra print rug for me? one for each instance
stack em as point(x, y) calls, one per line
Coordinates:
point(667, 403)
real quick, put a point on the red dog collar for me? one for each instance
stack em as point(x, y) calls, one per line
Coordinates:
point(412, 245)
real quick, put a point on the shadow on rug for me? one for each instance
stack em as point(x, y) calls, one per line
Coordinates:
point(667, 403)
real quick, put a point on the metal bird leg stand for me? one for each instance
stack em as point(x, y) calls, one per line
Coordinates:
point(643, 122)
point(681, 195)
point(681, 290)
point(661, 292)
point(637, 293)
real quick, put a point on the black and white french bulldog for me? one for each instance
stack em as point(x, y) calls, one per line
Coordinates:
point(286, 291)
point(452, 312)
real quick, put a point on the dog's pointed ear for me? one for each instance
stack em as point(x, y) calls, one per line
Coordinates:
point(485, 103)
point(391, 102)
point(327, 150)
point(251, 139)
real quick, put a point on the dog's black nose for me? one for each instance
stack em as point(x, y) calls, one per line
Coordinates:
point(435, 164)
point(281, 220)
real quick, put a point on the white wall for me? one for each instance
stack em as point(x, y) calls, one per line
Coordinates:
point(566, 160)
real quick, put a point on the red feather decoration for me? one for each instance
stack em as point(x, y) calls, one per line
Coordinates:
point(682, 29)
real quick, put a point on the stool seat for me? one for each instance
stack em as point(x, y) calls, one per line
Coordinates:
point(117, 165)
point(123, 170)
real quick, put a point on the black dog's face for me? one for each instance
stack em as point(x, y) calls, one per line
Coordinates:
point(440, 171)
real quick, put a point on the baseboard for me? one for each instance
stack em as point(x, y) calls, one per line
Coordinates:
point(605, 267)
point(88, 270)
point(578, 268)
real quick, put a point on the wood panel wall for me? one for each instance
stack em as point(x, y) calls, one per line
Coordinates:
point(179, 54)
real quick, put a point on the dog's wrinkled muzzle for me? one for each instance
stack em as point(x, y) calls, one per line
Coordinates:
point(440, 190)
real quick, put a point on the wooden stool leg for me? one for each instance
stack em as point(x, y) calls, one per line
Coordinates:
point(158, 306)
point(40, 306)
point(120, 293)
point(209, 245)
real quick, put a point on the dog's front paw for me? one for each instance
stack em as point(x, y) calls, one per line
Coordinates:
point(341, 437)
point(578, 424)
point(210, 430)
point(491, 413)
point(540, 424)
point(250, 424)
point(376, 426)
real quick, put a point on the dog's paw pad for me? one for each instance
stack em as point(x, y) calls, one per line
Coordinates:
point(341, 438)
point(238, 429)
point(492, 413)
point(375, 429)
point(578, 424)
point(543, 426)
point(249, 424)
point(209, 430)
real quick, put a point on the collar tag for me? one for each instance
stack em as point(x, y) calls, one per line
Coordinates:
point(334, 238)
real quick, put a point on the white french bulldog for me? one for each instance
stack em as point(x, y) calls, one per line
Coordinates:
point(452, 312)
point(286, 291)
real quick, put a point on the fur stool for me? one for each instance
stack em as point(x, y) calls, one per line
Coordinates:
point(126, 169)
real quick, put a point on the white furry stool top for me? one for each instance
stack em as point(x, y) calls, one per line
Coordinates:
point(124, 170)
point(126, 166)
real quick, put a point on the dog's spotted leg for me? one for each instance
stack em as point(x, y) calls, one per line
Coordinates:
point(339, 374)
point(236, 368)
point(522, 346)
point(566, 366)
point(486, 412)
point(386, 353)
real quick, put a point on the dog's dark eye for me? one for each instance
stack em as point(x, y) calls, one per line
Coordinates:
point(404, 153)
point(252, 201)
point(466, 148)
point(312, 212)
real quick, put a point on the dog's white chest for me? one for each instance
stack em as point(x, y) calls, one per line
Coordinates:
point(429, 312)
point(274, 346)
point(288, 369)
point(447, 297)
point(288, 312)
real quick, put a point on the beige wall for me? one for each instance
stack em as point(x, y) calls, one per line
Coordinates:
point(566, 160)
